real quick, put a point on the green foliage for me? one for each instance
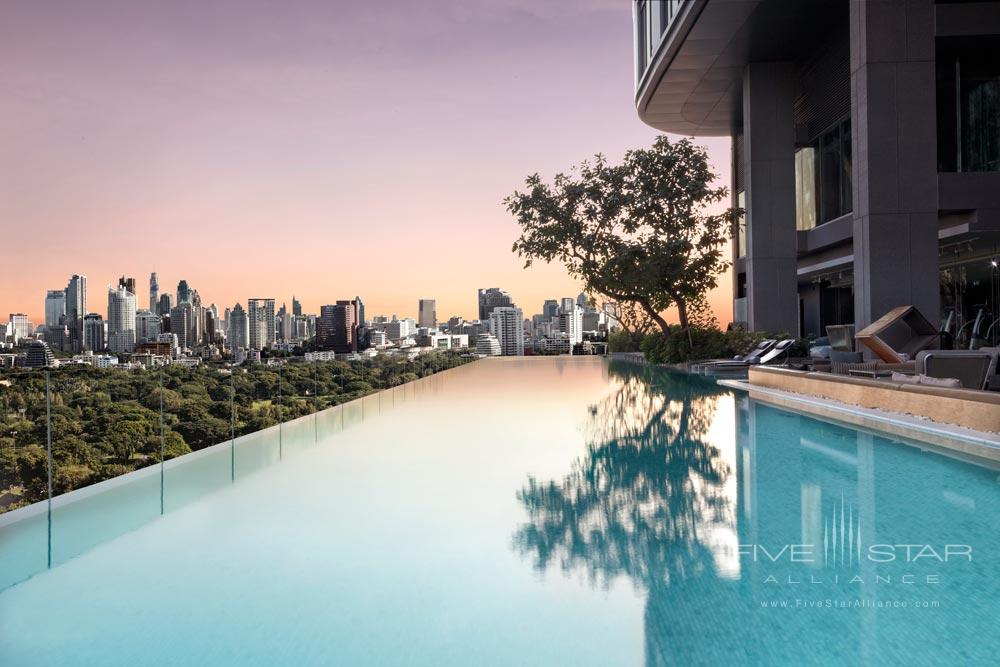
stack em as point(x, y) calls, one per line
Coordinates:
point(700, 343)
point(107, 422)
point(638, 232)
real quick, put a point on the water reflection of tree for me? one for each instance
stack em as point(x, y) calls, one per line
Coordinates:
point(646, 497)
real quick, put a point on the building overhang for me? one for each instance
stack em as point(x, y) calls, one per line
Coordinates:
point(692, 83)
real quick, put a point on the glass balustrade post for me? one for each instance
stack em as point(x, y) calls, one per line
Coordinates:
point(48, 457)
point(162, 448)
point(280, 439)
point(232, 422)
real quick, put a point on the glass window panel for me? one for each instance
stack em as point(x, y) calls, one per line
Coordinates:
point(805, 188)
point(846, 199)
point(829, 176)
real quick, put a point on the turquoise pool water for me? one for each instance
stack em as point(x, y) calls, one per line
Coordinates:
point(536, 512)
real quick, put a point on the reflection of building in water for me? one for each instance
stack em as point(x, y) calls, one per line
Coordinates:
point(680, 477)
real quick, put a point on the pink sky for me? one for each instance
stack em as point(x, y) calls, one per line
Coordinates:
point(322, 149)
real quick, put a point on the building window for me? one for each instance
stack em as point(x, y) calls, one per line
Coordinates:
point(823, 178)
point(805, 188)
point(968, 95)
point(640, 39)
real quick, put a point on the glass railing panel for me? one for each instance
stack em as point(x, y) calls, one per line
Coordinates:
point(298, 435)
point(196, 475)
point(24, 543)
point(105, 432)
point(330, 422)
point(256, 451)
point(353, 414)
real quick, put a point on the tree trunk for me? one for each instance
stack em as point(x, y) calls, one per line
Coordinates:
point(682, 313)
point(656, 317)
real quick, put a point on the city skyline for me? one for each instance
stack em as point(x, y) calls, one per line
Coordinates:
point(189, 158)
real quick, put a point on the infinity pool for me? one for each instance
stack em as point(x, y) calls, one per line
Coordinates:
point(557, 511)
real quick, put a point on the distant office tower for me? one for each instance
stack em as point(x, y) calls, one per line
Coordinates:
point(180, 324)
point(571, 321)
point(487, 345)
point(260, 313)
point(183, 292)
point(239, 328)
point(147, 326)
point(127, 283)
point(550, 309)
point(491, 298)
point(94, 334)
point(397, 329)
point(582, 300)
point(296, 307)
point(18, 326)
point(166, 303)
point(209, 325)
point(361, 334)
point(566, 304)
point(154, 294)
point(39, 355)
point(336, 327)
point(427, 313)
point(55, 307)
point(121, 320)
point(507, 324)
point(76, 308)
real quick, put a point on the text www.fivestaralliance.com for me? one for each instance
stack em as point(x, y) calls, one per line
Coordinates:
point(850, 603)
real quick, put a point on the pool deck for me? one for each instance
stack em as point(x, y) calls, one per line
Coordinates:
point(967, 443)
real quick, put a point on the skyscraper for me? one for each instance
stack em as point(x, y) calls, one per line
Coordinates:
point(239, 328)
point(147, 326)
point(154, 294)
point(127, 283)
point(180, 324)
point(166, 303)
point(296, 307)
point(76, 308)
point(121, 320)
point(260, 313)
point(550, 309)
point(427, 313)
point(183, 292)
point(55, 307)
point(94, 334)
point(490, 298)
point(507, 324)
point(336, 326)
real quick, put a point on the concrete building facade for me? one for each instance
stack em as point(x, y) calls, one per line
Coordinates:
point(865, 149)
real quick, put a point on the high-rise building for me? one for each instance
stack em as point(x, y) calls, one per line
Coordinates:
point(94, 332)
point(183, 292)
point(550, 309)
point(507, 324)
point(76, 308)
point(18, 326)
point(127, 283)
point(180, 324)
point(487, 345)
point(239, 328)
point(296, 307)
point(336, 327)
point(147, 326)
point(490, 298)
point(166, 303)
point(55, 307)
point(154, 294)
point(571, 321)
point(427, 313)
point(121, 320)
point(39, 355)
point(260, 313)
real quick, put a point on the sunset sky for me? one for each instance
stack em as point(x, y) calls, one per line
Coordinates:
point(322, 149)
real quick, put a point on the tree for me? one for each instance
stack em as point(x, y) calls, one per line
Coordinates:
point(638, 233)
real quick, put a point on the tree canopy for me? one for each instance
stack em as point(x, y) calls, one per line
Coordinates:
point(639, 232)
